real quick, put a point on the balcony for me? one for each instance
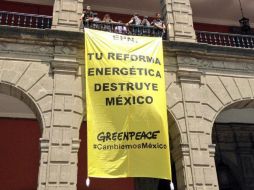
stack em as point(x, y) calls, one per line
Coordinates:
point(225, 39)
point(44, 22)
point(25, 20)
point(136, 30)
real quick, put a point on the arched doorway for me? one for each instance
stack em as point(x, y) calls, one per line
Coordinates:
point(19, 141)
point(174, 140)
point(233, 134)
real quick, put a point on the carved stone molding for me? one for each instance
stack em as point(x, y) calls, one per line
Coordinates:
point(189, 75)
point(180, 151)
point(44, 144)
point(75, 145)
point(211, 149)
point(64, 64)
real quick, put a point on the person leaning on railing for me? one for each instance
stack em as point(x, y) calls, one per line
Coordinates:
point(95, 22)
point(134, 22)
point(108, 23)
point(159, 24)
point(145, 21)
point(87, 16)
point(95, 17)
point(107, 18)
point(146, 26)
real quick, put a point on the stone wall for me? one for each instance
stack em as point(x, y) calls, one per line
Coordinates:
point(44, 69)
point(201, 81)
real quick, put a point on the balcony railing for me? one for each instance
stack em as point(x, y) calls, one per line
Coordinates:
point(25, 20)
point(136, 30)
point(43, 22)
point(225, 39)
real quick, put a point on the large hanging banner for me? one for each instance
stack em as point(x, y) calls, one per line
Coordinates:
point(126, 106)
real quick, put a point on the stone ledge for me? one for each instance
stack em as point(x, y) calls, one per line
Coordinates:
point(47, 35)
point(206, 49)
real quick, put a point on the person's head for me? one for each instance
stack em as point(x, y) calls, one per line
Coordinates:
point(106, 16)
point(88, 8)
point(158, 15)
point(95, 14)
point(145, 17)
point(135, 14)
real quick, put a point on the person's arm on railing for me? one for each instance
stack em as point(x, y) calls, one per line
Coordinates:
point(130, 21)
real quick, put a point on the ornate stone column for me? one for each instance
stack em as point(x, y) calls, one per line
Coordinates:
point(180, 154)
point(66, 15)
point(178, 16)
point(60, 150)
point(196, 153)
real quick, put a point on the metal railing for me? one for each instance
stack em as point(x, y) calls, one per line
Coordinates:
point(225, 39)
point(25, 20)
point(43, 22)
point(120, 28)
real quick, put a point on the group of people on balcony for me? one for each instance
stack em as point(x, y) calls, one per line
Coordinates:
point(136, 25)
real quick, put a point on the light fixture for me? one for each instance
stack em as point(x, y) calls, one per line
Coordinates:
point(244, 22)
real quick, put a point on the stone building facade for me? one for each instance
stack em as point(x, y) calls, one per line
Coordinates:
point(45, 70)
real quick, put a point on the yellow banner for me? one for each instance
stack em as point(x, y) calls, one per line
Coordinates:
point(126, 106)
